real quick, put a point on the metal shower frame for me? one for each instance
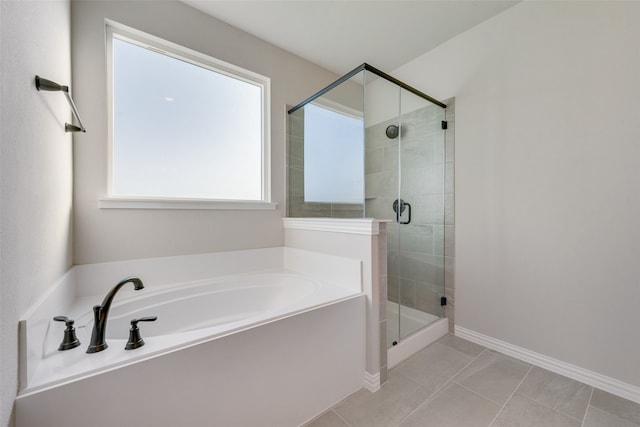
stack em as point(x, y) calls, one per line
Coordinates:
point(378, 73)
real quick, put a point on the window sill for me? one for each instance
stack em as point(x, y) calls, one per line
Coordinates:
point(189, 204)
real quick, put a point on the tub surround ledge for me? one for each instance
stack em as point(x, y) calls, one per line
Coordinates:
point(364, 239)
point(366, 226)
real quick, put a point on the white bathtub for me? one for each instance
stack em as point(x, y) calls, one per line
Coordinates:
point(205, 304)
point(269, 348)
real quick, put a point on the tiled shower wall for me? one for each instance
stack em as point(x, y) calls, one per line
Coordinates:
point(424, 250)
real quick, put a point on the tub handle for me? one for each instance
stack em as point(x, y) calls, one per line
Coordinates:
point(134, 322)
point(70, 340)
point(135, 340)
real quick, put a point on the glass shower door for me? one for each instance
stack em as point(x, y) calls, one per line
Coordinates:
point(371, 138)
point(404, 176)
point(382, 181)
point(419, 213)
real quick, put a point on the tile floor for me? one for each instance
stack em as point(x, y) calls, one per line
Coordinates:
point(456, 383)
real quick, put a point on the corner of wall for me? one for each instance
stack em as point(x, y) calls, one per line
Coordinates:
point(35, 168)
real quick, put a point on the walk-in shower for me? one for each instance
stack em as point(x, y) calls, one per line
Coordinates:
point(371, 146)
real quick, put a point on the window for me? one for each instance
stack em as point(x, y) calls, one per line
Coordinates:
point(184, 125)
point(333, 155)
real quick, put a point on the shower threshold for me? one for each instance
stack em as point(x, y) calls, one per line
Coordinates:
point(418, 329)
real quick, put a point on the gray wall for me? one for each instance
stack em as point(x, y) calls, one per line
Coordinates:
point(547, 182)
point(107, 234)
point(35, 170)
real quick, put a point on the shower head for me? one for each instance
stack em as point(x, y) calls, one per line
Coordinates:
point(392, 131)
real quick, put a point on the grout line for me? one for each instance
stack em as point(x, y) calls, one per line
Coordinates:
point(450, 380)
point(472, 360)
point(543, 404)
point(477, 394)
point(584, 417)
point(406, 377)
point(510, 397)
point(338, 415)
point(557, 411)
point(445, 384)
point(333, 408)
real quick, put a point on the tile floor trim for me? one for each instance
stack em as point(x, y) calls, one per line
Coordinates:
point(603, 382)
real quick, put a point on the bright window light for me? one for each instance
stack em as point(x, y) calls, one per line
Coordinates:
point(184, 128)
point(333, 156)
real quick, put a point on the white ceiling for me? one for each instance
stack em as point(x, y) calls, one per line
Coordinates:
point(340, 35)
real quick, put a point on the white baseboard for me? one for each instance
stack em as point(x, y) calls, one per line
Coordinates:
point(577, 373)
point(372, 381)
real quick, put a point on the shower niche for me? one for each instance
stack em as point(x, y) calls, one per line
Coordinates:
point(370, 146)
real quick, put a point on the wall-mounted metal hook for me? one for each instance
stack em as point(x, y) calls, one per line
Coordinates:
point(48, 85)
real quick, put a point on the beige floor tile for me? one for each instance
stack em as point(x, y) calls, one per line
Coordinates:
point(397, 398)
point(494, 376)
point(598, 418)
point(456, 383)
point(556, 391)
point(433, 366)
point(618, 406)
point(328, 419)
point(454, 406)
point(522, 412)
point(467, 347)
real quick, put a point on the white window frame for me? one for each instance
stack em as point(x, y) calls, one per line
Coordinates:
point(114, 29)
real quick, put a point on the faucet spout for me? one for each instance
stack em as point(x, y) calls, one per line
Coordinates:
point(101, 313)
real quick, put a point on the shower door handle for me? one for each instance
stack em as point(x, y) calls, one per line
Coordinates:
point(408, 213)
point(399, 206)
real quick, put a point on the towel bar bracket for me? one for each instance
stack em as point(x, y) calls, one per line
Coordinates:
point(48, 85)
